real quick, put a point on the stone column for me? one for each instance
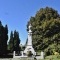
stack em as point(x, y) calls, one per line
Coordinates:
point(14, 54)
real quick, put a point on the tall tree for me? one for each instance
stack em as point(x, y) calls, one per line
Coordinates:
point(16, 41)
point(11, 42)
point(3, 38)
point(45, 28)
point(1, 47)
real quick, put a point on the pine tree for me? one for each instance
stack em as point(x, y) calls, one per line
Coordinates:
point(16, 41)
point(11, 42)
point(3, 39)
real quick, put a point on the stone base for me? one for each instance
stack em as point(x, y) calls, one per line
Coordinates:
point(29, 48)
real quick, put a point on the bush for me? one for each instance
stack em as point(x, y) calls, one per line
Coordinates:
point(56, 53)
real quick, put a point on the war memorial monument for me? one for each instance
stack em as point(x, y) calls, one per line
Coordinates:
point(29, 47)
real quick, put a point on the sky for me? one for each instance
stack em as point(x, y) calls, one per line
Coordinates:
point(17, 13)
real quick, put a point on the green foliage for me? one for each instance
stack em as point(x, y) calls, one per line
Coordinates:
point(14, 41)
point(52, 57)
point(3, 38)
point(11, 45)
point(45, 28)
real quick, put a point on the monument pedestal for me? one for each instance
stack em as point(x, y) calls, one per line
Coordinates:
point(29, 48)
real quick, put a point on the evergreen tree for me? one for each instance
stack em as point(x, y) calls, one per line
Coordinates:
point(5, 35)
point(16, 41)
point(1, 47)
point(11, 42)
point(3, 39)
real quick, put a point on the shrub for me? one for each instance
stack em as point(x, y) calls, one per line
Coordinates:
point(56, 53)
